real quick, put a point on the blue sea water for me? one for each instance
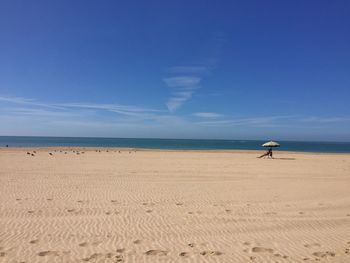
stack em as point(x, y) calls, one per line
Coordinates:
point(171, 144)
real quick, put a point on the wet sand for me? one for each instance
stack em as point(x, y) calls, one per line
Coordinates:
point(121, 205)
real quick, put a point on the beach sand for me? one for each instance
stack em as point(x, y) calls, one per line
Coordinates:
point(173, 206)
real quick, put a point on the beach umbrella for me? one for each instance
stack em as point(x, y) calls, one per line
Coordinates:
point(271, 144)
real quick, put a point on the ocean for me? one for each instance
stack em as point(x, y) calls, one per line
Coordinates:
point(171, 144)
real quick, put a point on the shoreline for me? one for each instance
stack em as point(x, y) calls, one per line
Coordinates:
point(93, 148)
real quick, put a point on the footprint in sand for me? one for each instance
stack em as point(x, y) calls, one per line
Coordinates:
point(347, 250)
point(47, 253)
point(324, 254)
point(211, 253)
point(150, 204)
point(96, 243)
point(149, 211)
point(191, 245)
point(119, 258)
point(246, 243)
point(156, 252)
point(312, 245)
point(184, 254)
point(270, 213)
point(179, 203)
point(30, 212)
point(137, 242)
point(277, 255)
point(34, 241)
point(2, 254)
point(84, 244)
point(120, 250)
point(92, 257)
point(262, 250)
point(70, 210)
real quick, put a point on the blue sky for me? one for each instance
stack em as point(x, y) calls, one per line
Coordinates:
point(176, 69)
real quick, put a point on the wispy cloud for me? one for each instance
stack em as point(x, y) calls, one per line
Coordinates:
point(325, 119)
point(115, 108)
point(178, 99)
point(183, 88)
point(185, 79)
point(18, 111)
point(26, 101)
point(83, 112)
point(32, 106)
point(207, 115)
point(84, 119)
point(255, 121)
point(188, 70)
point(273, 121)
point(182, 81)
point(110, 119)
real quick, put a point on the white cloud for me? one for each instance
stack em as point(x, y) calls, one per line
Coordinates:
point(254, 121)
point(21, 116)
point(179, 98)
point(117, 108)
point(176, 102)
point(26, 101)
point(182, 81)
point(38, 112)
point(207, 114)
point(325, 119)
point(191, 75)
point(128, 110)
point(188, 69)
point(183, 88)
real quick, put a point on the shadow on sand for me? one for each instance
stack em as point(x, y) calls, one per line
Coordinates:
point(288, 159)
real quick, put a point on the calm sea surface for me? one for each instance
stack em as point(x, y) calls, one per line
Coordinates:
point(171, 144)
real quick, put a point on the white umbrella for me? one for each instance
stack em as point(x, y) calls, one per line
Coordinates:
point(271, 144)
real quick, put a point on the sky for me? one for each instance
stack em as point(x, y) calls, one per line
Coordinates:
point(176, 69)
